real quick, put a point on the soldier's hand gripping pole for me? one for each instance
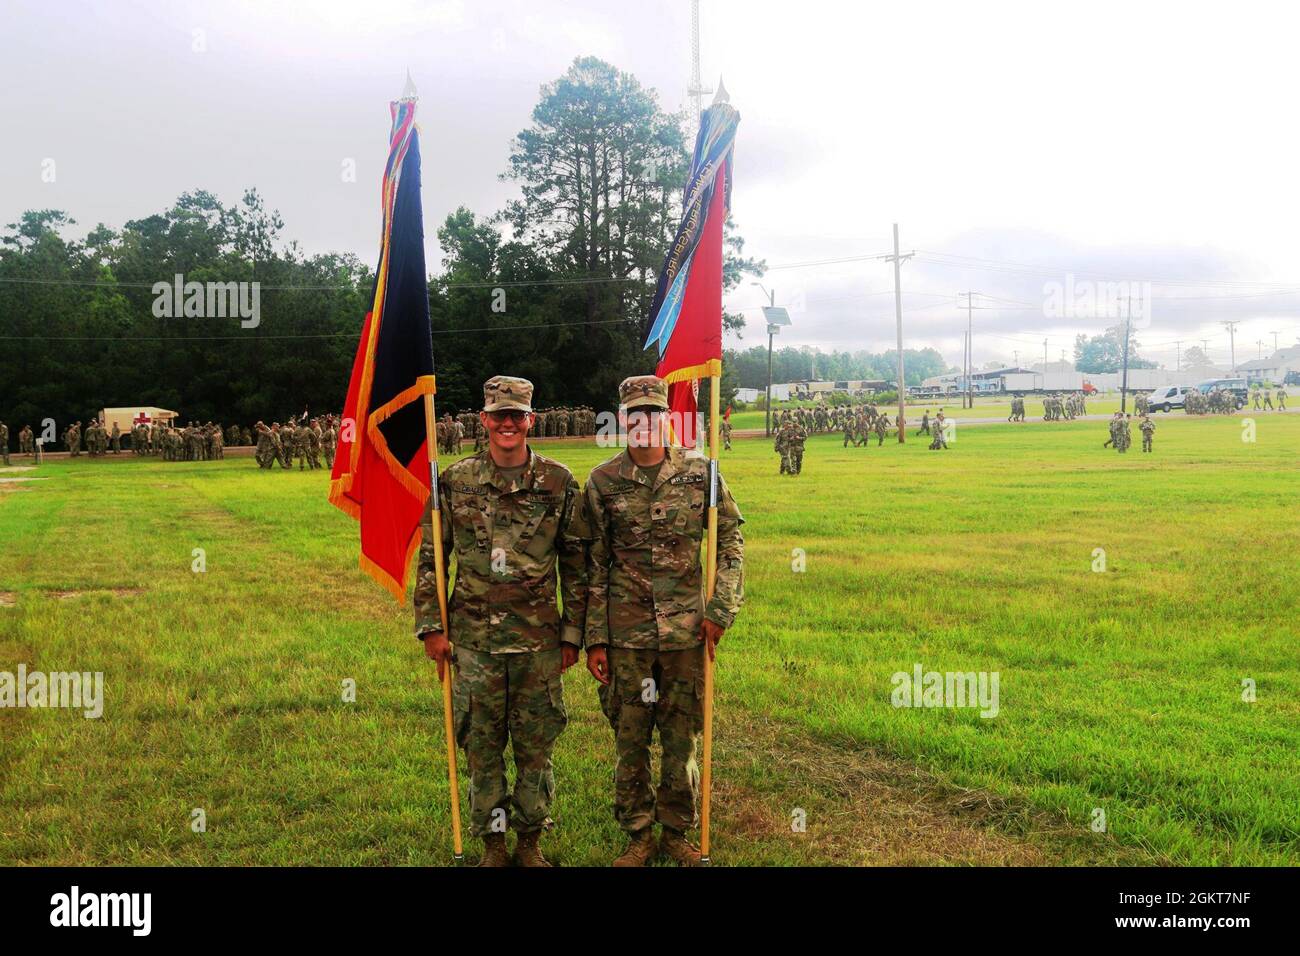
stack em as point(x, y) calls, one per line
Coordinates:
point(711, 578)
point(440, 574)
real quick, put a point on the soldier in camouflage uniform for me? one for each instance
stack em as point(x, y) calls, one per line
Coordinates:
point(1113, 426)
point(314, 444)
point(790, 442)
point(301, 444)
point(1148, 430)
point(510, 517)
point(647, 618)
point(4, 442)
point(329, 440)
point(264, 452)
point(938, 439)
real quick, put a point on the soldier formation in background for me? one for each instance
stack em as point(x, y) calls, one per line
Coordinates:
point(307, 441)
point(1017, 409)
point(859, 423)
point(562, 422)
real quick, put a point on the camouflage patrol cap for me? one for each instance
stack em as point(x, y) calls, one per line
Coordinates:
point(502, 392)
point(642, 390)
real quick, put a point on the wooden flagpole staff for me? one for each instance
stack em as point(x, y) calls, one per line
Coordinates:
point(440, 573)
point(711, 579)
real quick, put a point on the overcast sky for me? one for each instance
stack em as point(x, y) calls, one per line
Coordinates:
point(1110, 141)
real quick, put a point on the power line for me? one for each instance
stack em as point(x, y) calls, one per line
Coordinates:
point(944, 258)
point(320, 335)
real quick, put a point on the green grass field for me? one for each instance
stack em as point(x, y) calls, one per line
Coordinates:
point(1119, 690)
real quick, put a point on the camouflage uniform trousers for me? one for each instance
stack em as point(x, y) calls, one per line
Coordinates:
point(518, 696)
point(650, 688)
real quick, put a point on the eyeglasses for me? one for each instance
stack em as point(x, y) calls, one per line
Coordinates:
point(512, 414)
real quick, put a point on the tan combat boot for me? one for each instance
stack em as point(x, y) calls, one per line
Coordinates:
point(528, 852)
point(494, 850)
point(640, 849)
point(679, 848)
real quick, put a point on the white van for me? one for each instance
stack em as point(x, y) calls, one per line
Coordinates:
point(1168, 397)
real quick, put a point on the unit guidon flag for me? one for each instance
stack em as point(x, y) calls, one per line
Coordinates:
point(381, 475)
point(685, 320)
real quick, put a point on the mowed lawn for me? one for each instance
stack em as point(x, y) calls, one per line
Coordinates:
point(1121, 690)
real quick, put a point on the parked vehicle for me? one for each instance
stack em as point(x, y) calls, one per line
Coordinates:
point(1168, 397)
point(1237, 386)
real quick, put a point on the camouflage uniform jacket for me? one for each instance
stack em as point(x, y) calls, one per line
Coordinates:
point(507, 538)
point(646, 576)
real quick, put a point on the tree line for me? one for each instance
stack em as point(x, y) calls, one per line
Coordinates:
point(554, 287)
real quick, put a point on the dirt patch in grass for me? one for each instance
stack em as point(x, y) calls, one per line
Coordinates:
point(863, 808)
point(16, 480)
point(8, 598)
point(63, 595)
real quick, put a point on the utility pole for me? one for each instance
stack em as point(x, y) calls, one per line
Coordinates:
point(965, 364)
point(771, 331)
point(970, 353)
point(1232, 344)
point(1016, 353)
point(1178, 356)
point(1274, 334)
point(1123, 387)
point(897, 260)
point(1259, 348)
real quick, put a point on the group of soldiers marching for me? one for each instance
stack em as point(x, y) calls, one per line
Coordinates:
point(305, 440)
point(822, 419)
point(1056, 408)
point(860, 423)
point(193, 442)
point(1261, 395)
point(1217, 401)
